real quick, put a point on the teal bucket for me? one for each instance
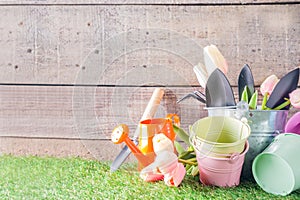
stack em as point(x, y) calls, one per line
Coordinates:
point(277, 169)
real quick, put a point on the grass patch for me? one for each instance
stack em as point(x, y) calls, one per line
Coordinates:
point(75, 178)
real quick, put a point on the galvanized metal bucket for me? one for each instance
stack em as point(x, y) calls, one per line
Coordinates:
point(264, 124)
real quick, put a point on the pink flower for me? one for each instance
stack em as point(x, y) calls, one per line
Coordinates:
point(165, 166)
point(295, 98)
point(268, 85)
point(175, 177)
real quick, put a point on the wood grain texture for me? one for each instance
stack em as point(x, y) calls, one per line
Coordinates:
point(58, 44)
point(89, 149)
point(115, 55)
point(84, 112)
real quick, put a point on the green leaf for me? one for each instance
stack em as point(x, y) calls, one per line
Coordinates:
point(264, 101)
point(178, 147)
point(245, 94)
point(181, 134)
point(195, 171)
point(253, 100)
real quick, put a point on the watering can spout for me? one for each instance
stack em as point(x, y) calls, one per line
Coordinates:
point(120, 135)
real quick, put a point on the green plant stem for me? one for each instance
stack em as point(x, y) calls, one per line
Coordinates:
point(187, 162)
point(283, 105)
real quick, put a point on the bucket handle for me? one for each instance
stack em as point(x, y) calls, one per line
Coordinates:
point(244, 120)
point(234, 157)
point(277, 132)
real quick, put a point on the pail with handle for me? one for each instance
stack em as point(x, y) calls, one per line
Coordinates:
point(264, 124)
point(223, 172)
point(219, 135)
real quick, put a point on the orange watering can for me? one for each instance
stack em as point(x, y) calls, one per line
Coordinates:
point(120, 134)
point(148, 128)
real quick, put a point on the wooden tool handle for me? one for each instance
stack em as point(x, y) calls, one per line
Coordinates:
point(153, 104)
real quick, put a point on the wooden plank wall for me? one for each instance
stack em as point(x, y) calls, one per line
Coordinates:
point(72, 70)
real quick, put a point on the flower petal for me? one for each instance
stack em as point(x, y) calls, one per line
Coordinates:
point(176, 176)
point(295, 98)
point(269, 84)
point(214, 59)
point(162, 143)
point(150, 174)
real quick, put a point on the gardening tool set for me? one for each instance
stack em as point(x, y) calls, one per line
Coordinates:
point(237, 140)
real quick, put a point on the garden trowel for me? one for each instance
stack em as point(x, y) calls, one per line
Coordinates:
point(246, 79)
point(218, 91)
point(283, 88)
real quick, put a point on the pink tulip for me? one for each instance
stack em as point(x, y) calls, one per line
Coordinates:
point(295, 98)
point(269, 84)
point(176, 176)
point(162, 143)
point(165, 166)
point(149, 174)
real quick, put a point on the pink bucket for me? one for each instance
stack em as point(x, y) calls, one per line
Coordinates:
point(223, 172)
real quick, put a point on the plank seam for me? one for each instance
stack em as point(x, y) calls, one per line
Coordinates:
point(53, 138)
point(157, 4)
point(89, 85)
point(98, 85)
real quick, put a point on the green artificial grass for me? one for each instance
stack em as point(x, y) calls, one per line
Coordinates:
point(75, 178)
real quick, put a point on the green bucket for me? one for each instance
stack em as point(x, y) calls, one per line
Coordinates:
point(277, 169)
point(219, 135)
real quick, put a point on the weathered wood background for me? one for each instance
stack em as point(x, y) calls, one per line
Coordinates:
point(72, 70)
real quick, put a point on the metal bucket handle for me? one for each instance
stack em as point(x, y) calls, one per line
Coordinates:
point(244, 120)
